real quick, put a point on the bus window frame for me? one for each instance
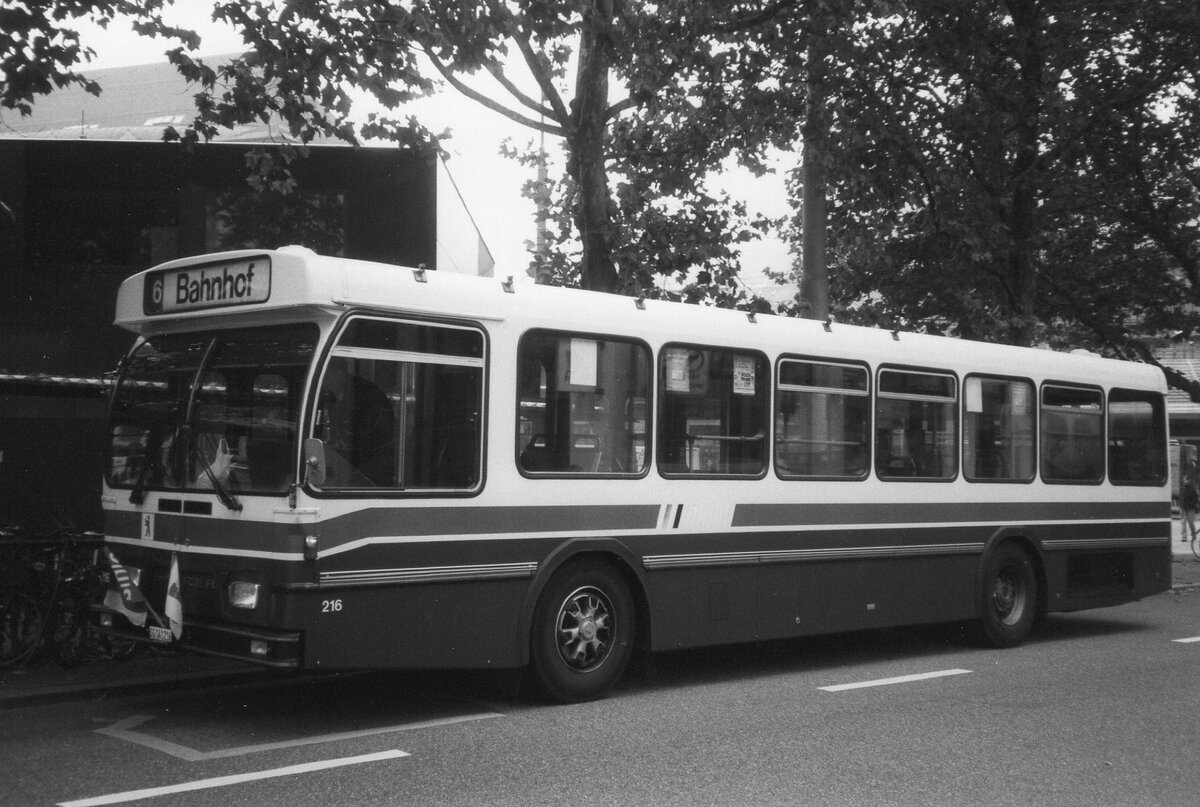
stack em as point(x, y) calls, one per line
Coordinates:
point(1102, 415)
point(954, 401)
point(777, 388)
point(1035, 436)
point(767, 411)
point(648, 437)
point(332, 349)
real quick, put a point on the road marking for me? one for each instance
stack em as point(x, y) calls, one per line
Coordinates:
point(123, 730)
point(1187, 641)
point(222, 781)
point(902, 679)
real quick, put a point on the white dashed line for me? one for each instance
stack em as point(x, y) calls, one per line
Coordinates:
point(222, 781)
point(902, 679)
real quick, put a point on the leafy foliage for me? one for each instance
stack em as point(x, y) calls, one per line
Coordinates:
point(696, 75)
point(1019, 171)
point(40, 48)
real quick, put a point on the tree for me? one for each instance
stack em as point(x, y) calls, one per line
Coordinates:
point(1019, 171)
point(309, 62)
point(39, 52)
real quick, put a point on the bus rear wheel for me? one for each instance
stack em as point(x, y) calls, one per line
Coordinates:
point(1008, 597)
point(583, 630)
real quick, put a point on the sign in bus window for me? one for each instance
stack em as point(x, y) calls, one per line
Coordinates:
point(712, 413)
point(400, 407)
point(1071, 435)
point(998, 430)
point(822, 420)
point(916, 425)
point(1137, 434)
point(582, 404)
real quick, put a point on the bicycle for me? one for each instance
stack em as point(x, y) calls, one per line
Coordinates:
point(75, 583)
point(21, 617)
point(47, 602)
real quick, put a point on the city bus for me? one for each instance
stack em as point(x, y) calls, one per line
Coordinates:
point(320, 463)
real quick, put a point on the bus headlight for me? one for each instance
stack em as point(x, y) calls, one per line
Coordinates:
point(244, 595)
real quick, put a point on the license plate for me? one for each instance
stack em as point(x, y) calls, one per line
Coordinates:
point(162, 635)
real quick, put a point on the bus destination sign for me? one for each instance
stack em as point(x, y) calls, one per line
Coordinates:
point(195, 288)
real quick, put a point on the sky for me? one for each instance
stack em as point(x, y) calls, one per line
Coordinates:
point(489, 184)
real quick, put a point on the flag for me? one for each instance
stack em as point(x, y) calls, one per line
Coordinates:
point(173, 610)
point(122, 595)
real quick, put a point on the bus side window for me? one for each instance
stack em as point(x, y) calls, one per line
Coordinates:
point(357, 424)
point(712, 415)
point(822, 420)
point(998, 430)
point(916, 425)
point(582, 404)
point(400, 407)
point(1071, 434)
point(1136, 438)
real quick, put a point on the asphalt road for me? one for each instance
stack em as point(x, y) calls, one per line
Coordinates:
point(1101, 708)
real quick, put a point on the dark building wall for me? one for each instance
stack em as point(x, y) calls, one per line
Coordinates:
point(78, 217)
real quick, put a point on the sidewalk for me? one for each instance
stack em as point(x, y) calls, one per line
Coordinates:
point(44, 681)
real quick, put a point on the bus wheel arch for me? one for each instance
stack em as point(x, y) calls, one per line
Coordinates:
point(1011, 592)
point(585, 622)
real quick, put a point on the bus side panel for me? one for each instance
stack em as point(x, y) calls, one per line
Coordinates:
point(714, 606)
point(879, 593)
point(1101, 578)
point(436, 625)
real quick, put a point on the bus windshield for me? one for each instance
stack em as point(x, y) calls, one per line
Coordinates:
point(211, 410)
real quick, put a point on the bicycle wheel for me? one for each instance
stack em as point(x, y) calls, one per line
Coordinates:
point(20, 627)
point(68, 630)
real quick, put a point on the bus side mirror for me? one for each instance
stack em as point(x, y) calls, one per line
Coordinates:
point(314, 462)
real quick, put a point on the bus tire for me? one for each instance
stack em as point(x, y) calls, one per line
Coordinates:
point(1008, 597)
point(583, 632)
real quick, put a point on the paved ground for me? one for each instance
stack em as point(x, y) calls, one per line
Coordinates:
point(44, 681)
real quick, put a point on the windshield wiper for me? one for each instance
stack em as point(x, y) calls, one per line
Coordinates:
point(138, 494)
point(227, 498)
point(191, 451)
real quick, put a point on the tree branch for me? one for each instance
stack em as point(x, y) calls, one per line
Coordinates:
point(540, 72)
point(515, 91)
point(480, 98)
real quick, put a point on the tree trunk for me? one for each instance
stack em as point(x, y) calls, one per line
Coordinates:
point(814, 273)
point(593, 217)
point(1022, 268)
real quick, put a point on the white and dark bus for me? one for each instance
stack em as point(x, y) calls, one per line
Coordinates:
point(357, 465)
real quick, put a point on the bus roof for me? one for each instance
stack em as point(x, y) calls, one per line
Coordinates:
point(264, 284)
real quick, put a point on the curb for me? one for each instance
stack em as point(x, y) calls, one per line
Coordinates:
point(135, 686)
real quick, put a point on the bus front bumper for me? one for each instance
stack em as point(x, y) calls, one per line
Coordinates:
point(271, 648)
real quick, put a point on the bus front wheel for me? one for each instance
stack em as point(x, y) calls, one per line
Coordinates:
point(583, 631)
point(1008, 597)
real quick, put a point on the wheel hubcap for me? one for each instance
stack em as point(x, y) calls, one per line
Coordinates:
point(1008, 596)
point(584, 629)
